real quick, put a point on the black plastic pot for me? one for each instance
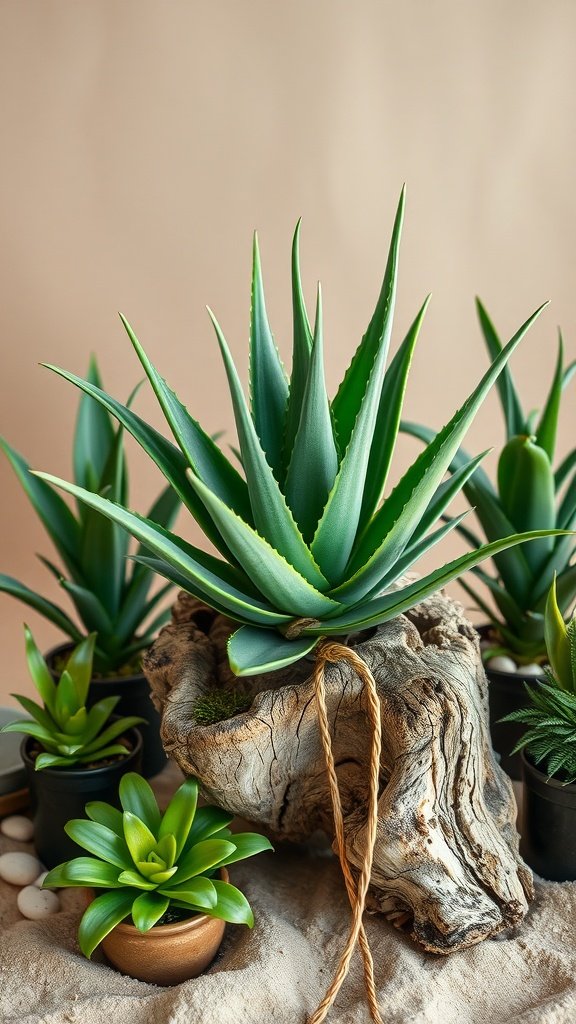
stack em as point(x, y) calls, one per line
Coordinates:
point(548, 832)
point(59, 794)
point(135, 699)
point(506, 693)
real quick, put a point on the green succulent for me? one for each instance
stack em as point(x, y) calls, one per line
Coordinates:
point(148, 862)
point(111, 596)
point(529, 495)
point(551, 715)
point(68, 732)
point(307, 549)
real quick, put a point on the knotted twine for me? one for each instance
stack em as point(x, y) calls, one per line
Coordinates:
point(330, 652)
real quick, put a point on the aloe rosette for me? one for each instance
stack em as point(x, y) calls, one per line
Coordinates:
point(307, 547)
point(530, 495)
point(149, 863)
point(109, 596)
point(69, 733)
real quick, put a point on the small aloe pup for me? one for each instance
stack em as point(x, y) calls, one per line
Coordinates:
point(70, 752)
point(550, 718)
point(70, 735)
point(149, 863)
point(307, 547)
point(530, 495)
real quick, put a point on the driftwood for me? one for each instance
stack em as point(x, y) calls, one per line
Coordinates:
point(446, 864)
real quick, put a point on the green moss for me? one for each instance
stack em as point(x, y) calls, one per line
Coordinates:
point(218, 705)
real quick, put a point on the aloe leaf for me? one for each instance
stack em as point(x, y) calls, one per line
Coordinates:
point(29, 728)
point(136, 796)
point(203, 455)
point(112, 732)
point(163, 511)
point(557, 642)
point(566, 588)
point(103, 544)
point(40, 672)
point(567, 509)
point(48, 610)
point(419, 548)
point(301, 350)
point(272, 517)
point(232, 905)
point(202, 857)
point(240, 606)
point(252, 650)
point(147, 910)
point(569, 373)
point(91, 611)
point(169, 459)
point(471, 538)
point(91, 872)
point(139, 839)
point(268, 384)
point(548, 423)
point(53, 512)
point(381, 609)
point(198, 891)
point(247, 844)
point(391, 528)
point(349, 398)
point(512, 564)
point(388, 420)
point(103, 914)
point(461, 458)
point(564, 469)
point(40, 715)
point(507, 606)
point(447, 490)
point(314, 455)
point(207, 821)
point(101, 841)
point(275, 577)
point(79, 665)
point(105, 814)
point(179, 815)
point(201, 570)
point(93, 435)
point(526, 485)
point(511, 406)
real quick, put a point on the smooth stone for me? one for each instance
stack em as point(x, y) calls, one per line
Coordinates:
point(17, 827)
point(20, 868)
point(530, 670)
point(502, 663)
point(36, 904)
point(40, 880)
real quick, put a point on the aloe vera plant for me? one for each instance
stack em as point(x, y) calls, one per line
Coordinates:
point(111, 596)
point(307, 548)
point(67, 731)
point(530, 495)
point(551, 715)
point(148, 863)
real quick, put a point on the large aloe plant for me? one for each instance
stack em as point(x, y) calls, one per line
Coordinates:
point(109, 597)
point(529, 495)
point(306, 547)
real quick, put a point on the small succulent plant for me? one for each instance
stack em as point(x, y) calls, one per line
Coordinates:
point(529, 495)
point(67, 731)
point(307, 547)
point(551, 715)
point(111, 596)
point(148, 862)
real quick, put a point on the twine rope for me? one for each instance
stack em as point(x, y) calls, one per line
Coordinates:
point(333, 653)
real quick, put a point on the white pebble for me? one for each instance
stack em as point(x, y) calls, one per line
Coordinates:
point(36, 904)
point(17, 827)
point(502, 663)
point(40, 880)
point(530, 670)
point(19, 868)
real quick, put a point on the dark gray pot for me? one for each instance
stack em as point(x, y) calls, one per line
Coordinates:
point(548, 832)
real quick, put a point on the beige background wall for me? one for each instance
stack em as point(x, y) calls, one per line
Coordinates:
point(143, 141)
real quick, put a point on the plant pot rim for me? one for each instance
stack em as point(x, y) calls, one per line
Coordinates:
point(82, 773)
point(166, 931)
point(101, 680)
point(549, 781)
point(520, 679)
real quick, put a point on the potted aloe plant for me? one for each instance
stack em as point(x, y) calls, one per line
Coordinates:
point(312, 544)
point(71, 753)
point(530, 495)
point(110, 595)
point(548, 749)
point(166, 896)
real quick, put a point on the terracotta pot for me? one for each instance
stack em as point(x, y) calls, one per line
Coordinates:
point(135, 699)
point(168, 954)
